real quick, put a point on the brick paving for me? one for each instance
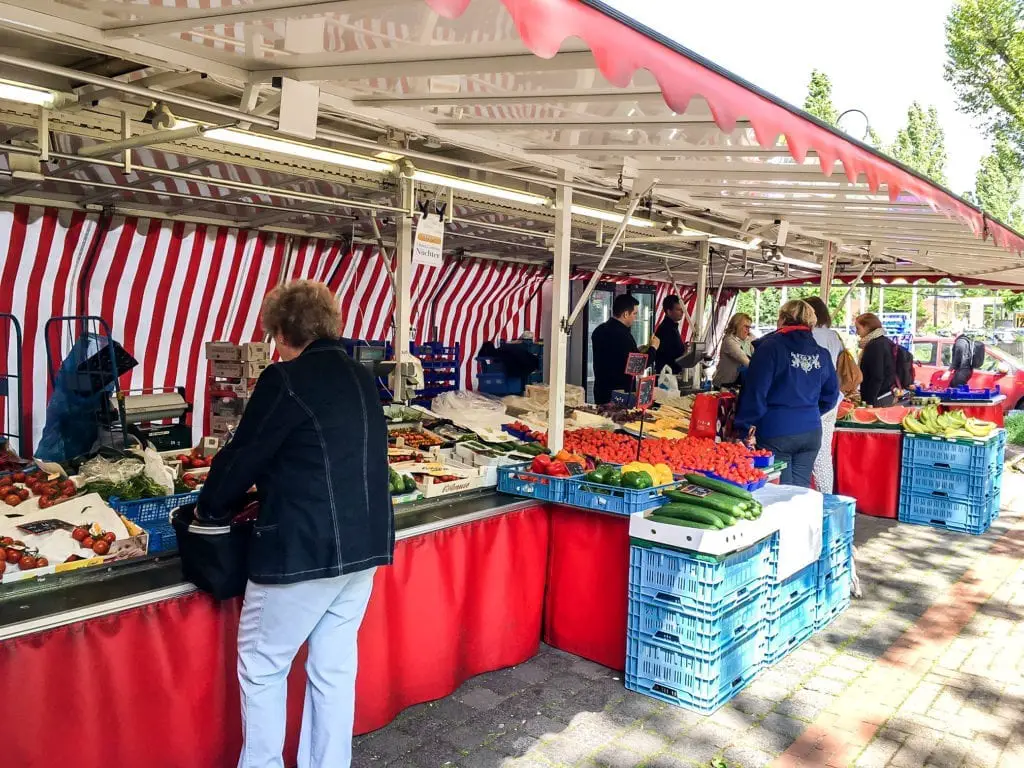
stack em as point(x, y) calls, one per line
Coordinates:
point(927, 669)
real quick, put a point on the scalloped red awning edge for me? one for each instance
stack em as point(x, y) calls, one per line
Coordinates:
point(620, 51)
point(886, 282)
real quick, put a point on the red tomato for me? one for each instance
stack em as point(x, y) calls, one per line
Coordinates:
point(101, 547)
point(12, 500)
point(18, 477)
point(23, 494)
point(5, 540)
point(27, 563)
point(42, 562)
point(13, 556)
point(3, 566)
point(45, 502)
point(79, 534)
point(68, 488)
point(110, 537)
point(87, 542)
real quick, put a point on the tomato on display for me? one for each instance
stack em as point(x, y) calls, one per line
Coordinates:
point(12, 500)
point(27, 563)
point(101, 547)
point(87, 542)
point(19, 477)
point(79, 534)
point(13, 556)
point(110, 537)
point(42, 562)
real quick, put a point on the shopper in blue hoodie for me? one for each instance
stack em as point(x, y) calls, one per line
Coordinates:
point(790, 383)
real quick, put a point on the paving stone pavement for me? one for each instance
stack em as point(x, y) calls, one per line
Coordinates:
point(926, 669)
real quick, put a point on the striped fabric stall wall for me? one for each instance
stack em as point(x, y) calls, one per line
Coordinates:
point(167, 287)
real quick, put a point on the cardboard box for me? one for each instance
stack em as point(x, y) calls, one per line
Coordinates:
point(253, 368)
point(229, 407)
point(255, 352)
point(227, 370)
point(241, 388)
point(221, 425)
point(223, 350)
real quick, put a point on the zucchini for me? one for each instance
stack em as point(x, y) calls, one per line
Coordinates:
point(681, 522)
point(691, 512)
point(718, 502)
point(719, 485)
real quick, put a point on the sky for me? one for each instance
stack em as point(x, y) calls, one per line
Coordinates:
point(880, 55)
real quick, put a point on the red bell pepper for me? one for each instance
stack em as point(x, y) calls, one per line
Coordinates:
point(558, 469)
point(540, 464)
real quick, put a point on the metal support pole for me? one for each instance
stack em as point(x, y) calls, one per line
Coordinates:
point(860, 276)
point(403, 282)
point(913, 309)
point(699, 305)
point(881, 300)
point(827, 270)
point(757, 308)
point(560, 326)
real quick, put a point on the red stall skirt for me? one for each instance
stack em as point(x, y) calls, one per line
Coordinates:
point(868, 469)
point(585, 610)
point(155, 687)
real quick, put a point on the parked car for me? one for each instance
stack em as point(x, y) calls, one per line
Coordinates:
point(932, 355)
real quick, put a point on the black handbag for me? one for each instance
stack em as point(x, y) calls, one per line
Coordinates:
point(214, 556)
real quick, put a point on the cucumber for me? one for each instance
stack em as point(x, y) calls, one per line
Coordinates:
point(681, 522)
point(718, 502)
point(691, 512)
point(719, 485)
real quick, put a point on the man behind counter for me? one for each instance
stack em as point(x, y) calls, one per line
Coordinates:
point(668, 334)
point(613, 343)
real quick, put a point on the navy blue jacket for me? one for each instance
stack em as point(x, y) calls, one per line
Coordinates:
point(790, 382)
point(313, 440)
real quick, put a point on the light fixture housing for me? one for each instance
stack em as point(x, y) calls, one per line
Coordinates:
point(479, 188)
point(27, 94)
point(614, 218)
point(810, 266)
point(729, 242)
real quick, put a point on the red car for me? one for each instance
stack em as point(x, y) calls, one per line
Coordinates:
point(933, 353)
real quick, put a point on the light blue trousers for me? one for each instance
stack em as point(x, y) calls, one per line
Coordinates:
point(276, 620)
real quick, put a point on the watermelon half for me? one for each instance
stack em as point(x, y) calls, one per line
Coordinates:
point(892, 415)
point(863, 416)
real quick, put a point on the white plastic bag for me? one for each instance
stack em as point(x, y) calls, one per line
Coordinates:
point(668, 382)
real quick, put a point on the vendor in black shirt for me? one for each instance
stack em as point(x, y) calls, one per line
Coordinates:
point(668, 334)
point(613, 343)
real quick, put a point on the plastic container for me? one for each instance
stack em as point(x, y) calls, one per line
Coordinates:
point(610, 498)
point(498, 384)
point(837, 557)
point(826, 614)
point(834, 589)
point(788, 629)
point(747, 487)
point(698, 681)
point(154, 517)
point(802, 584)
point(692, 629)
point(703, 581)
point(839, 521)
point(954, 515)
point(519, 435)
point(947, 483)
point(517, 480)
point(974, 456)
point(959, 393)
point(763, 462)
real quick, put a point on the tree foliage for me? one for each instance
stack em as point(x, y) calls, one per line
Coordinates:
point(998, 183)
point(985, 64)
point(819, 98)
point(921, 143)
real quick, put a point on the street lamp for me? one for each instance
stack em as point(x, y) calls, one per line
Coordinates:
point(867, 123)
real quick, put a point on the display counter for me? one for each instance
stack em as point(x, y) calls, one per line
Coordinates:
point(134, 646)
point(867, 463)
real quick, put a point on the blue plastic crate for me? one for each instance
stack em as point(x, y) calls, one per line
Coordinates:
point(974, 456)
point(782, 595)
point(949, 483)
point(834, 589)
point(827, 614)
point(154, 517)
point(840, 520)
point(679, 578)
point(518, 435)
point(693, 679)
point(951, 514)
point(517, 480)
point(747, 486)
point(786, 630)
point(609, 498)
point(692, 629)
point(498, 384)
point(959, 393)
point(837, 557)
point(763, 462)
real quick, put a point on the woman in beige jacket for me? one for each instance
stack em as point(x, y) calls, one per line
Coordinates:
point(735, 351)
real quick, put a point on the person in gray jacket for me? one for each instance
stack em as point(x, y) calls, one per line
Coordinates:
point(735, 351)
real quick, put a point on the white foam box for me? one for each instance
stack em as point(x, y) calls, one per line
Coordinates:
point(739, 536)
point(469, 478)
point(223, 351)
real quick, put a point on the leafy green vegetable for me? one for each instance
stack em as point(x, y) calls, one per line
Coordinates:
point(1015, 428)
point(138, 487)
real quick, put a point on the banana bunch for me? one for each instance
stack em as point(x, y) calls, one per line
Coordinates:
point(928, 421)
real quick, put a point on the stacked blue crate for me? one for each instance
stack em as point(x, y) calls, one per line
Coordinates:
point(791, 611)
point(835, 566)
point(952, 484)
point(696, 623)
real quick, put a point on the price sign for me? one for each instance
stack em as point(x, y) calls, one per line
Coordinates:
point(645, 392)
point(428, 246)
point(1018, 320)
point(636, 364)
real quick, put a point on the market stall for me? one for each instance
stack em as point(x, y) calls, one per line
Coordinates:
point(146, 187)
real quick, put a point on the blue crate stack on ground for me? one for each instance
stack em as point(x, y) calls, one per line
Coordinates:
point(952, 484)
point(835, 566)
point(696, 629)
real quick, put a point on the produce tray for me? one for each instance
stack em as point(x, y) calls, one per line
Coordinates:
point(610, 498)
point(976, 455)
point(517, 480)
point(518, 434)
point(786, 630)
point(763, 462)
point(947, 483)
point(961, 516)
point(784, 595)
point(747, 487)
point(958, 393)
point(840, 520)
point(692, 629)
point(703, 541)
point(683, 579)
point(154, 515)
point(700, 681)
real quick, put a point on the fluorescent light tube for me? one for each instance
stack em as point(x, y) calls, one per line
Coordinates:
point(728, 242)
point(597, 213)
point(800, 263)
point(27, 94)
point(307, 151)
point(487, 190)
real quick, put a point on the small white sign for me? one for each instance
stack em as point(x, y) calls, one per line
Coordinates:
point(428, 244)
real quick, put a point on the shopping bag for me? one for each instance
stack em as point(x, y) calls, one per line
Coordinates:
point(214, 557)
point(704, 418)
point(668, 382)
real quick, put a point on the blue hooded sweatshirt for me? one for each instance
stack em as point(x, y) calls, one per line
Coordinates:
point(789, 384)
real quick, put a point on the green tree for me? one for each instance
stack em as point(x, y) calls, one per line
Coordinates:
point(998, 183)
point(985, 64)
point(921, 143)
point(819, 98)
